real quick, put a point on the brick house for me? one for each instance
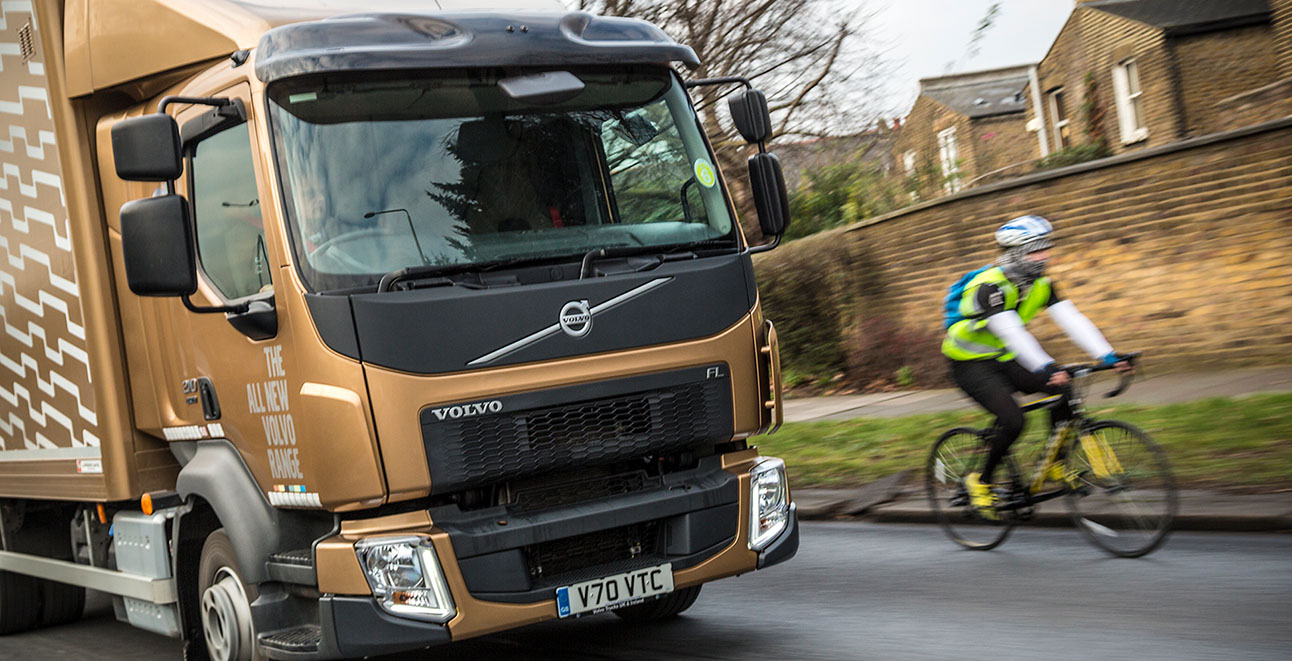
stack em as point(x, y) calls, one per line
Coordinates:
point(963, 127)
point(1143, 73)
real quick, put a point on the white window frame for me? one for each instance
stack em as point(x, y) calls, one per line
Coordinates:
point(908, 162)
point(1130, 104)
point(1057, 120)
point(949, 157)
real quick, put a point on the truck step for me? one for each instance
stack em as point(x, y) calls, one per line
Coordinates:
point(302, 640)
point(296, 567)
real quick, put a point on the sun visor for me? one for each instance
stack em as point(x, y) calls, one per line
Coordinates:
point(372, 42)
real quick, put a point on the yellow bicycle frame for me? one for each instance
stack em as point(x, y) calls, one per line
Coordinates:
point(1103, 460)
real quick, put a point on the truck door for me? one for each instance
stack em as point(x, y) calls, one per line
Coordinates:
point(296, 412)
point(226, 377)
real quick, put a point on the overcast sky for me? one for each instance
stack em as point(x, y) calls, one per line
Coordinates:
point(924, 36)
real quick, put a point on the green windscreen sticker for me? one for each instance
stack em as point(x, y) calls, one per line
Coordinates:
point(705, 174)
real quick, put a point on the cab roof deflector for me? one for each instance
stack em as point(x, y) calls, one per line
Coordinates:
point(372, 42)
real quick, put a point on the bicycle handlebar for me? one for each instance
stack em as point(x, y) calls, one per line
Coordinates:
point(1086, 369)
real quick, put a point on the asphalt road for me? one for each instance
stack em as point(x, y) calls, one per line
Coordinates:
point(868, 591)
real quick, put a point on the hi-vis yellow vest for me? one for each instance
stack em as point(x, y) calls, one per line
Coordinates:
point(969, 339)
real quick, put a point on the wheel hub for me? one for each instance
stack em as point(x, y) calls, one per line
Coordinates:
point(226, 619)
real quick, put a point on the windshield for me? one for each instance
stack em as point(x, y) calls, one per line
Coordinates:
point(448, 170)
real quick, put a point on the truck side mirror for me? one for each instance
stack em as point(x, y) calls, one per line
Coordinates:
point(750, 115)
point(770, 197)
point(147, 148)
point(157, 246)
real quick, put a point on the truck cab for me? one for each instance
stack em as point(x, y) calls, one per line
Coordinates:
point(424, 325)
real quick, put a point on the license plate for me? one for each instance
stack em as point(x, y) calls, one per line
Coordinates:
point(609, 592)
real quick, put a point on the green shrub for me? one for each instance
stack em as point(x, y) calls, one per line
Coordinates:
point(838, 195)
point(881, 352)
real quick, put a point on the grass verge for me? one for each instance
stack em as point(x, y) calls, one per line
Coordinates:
point(1221, 443)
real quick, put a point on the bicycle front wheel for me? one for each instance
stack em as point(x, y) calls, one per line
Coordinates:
point(1125, 498)
point(957, 453)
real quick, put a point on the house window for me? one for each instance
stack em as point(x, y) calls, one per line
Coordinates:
point(1130, 105)
point(908, 162)
point(949, 155)
point(1059, 118)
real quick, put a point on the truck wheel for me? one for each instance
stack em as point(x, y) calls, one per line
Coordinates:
point(669, 605)
point(19, 602)
point(63, 603)
point(225, 602)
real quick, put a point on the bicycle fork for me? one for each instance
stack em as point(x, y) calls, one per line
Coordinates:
point(1103, 461)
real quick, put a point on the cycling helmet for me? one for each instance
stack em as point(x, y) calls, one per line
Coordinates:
point(1023, 230)
point(1019, 237)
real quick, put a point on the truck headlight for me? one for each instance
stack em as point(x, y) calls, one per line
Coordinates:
point(769, 510)
point(404, 574)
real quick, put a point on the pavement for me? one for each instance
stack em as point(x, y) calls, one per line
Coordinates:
point(1151, 389)
point(900, 497)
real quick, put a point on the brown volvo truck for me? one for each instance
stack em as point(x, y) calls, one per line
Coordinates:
point(344, 331)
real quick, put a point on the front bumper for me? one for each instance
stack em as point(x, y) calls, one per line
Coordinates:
point(705, 519)
point(786, 544)
point(355, 627)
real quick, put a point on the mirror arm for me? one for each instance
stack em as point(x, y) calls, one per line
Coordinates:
point(725, 80)
point(776, 241)
point(231, 309)
point(226, 109)
point(196, 100)
point(721, 80)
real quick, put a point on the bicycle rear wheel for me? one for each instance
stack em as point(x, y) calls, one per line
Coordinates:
point(1126, 496)
point(957, 453)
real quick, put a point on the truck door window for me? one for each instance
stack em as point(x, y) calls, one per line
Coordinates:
point(226, 215)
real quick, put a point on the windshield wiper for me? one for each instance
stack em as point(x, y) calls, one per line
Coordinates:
point(665, 253)
point(445, 270)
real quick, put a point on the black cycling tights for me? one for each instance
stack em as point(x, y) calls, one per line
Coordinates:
point(992, 384)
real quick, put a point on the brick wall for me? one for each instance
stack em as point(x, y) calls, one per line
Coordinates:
point(1219, 65)
point(1183, 251)
point(1281, 20)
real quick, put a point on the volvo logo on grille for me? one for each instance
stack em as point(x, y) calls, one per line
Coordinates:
point(576, 318)
point(467, 410)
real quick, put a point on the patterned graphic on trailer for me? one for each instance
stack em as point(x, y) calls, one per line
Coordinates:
point(47, 403)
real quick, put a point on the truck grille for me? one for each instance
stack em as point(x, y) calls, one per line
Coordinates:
point(553, 491)
point(526, 437)
point(595, 554)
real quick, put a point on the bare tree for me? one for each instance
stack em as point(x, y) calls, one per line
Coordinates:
point(812, 59)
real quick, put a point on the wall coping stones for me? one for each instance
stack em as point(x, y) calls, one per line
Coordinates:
point(1059, 173)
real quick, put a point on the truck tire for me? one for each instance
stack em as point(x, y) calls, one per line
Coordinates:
point(669, 605)
point(225, 602)
point(63, 603)
point(20, 602)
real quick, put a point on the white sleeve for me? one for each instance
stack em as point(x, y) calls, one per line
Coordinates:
point(1078, 327)
point(1008, 326)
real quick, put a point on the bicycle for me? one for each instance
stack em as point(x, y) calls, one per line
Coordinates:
point(1117, 482)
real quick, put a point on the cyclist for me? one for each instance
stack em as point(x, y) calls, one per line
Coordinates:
point(992, 354)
